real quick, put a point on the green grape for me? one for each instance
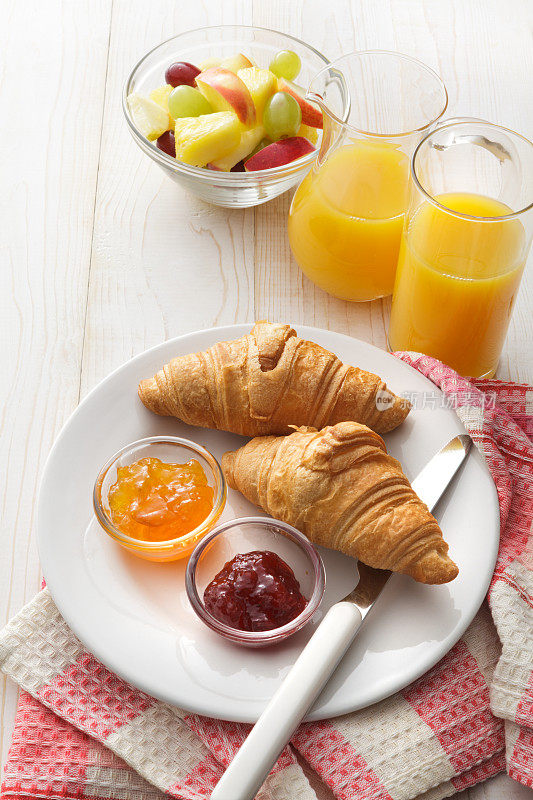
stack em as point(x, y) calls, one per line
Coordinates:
point(184, 101)
point(286, 64)
point(282, 116)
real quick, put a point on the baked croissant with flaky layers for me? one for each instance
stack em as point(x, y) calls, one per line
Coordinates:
point(340, 487)
point(266, 382)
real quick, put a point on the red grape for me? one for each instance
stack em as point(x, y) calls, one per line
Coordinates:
point(239, 167)
point(181, 72)
point(167, 143)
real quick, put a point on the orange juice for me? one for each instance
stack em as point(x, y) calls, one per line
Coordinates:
point(346, 220)
point(456, 282)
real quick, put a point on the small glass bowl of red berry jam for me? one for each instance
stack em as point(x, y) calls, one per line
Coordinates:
point(255, 580)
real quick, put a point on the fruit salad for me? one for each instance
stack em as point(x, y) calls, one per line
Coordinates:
point(229, 114)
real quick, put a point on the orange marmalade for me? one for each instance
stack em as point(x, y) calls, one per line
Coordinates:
point(153, 501)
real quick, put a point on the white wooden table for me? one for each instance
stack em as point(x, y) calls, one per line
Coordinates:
point(103, 256)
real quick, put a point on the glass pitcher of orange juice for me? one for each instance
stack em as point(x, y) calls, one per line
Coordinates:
point(346, 217)
point(466, 238)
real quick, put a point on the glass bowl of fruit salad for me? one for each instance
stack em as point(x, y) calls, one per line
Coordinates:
point(222, 110)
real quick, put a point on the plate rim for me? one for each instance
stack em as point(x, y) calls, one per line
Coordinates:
point(233, 331)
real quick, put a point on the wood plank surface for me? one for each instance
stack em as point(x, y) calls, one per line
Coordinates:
point(103, 256)
point(52, 88)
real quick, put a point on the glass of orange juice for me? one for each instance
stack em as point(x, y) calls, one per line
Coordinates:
point(346, 217)
point(465, 242)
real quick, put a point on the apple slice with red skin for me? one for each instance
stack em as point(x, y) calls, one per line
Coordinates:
point(311, 115)
point(279, 153)
point(225, 91)
point(235, 63)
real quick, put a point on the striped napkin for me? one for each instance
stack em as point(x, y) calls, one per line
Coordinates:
point(81, 732)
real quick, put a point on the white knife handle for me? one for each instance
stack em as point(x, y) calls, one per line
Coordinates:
point(274, 728)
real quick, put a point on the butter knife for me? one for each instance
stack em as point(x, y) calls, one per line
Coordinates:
point(322, 654)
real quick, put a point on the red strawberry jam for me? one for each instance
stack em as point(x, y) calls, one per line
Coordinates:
point(255, 591)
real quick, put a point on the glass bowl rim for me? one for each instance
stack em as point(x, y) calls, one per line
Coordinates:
point(234, 634)
point(166, 544)
point(457, 122)
point(225, 178)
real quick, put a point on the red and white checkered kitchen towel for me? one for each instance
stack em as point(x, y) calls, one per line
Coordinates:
point(83, 733)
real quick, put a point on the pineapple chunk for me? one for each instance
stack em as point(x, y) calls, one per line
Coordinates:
point(309, 133)
point(204, 139)
point(261, 84)
point(235, 63)
point(249, 141)
point(161, 95)
point(149, 117)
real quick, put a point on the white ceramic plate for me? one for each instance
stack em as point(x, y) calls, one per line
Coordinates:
point(134, 615)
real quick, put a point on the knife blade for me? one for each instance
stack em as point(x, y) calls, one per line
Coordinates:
point(322, 654)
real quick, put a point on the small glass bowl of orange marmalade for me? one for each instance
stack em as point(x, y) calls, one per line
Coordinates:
point(159, 496)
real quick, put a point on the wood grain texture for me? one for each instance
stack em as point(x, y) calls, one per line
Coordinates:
point(163, 262)
point(51, 80)
point(103, 256)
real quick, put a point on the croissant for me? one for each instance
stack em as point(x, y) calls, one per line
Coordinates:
point(266, 382)
point(340, 487)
